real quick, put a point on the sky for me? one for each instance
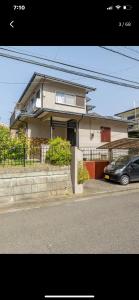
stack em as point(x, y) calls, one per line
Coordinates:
point(109, 99)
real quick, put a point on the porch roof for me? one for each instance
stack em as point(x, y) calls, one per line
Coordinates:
point(46, 112)
point(87, 115)
point(126, 143)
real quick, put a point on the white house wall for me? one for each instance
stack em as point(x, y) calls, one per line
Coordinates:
point(87, 127)
point(49, 97)
point(90, 126)
point(37, 128)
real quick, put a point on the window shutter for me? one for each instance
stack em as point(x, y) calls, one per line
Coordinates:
point(105, 134)
point(79, 101)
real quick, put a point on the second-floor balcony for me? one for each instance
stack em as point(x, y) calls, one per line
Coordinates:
point(14, 116)
point(134, 127)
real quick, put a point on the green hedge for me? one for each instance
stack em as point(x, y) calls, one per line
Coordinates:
point(11, 148)
point(59, 152)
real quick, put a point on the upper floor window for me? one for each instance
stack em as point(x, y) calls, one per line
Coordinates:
point(38, 94)
point(105, 134)
point(65, 99)
point(132, 117)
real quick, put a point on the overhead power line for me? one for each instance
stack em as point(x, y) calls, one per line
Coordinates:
point(132, 50)
point(70, 65)
point(120, 53)
point(17, 58)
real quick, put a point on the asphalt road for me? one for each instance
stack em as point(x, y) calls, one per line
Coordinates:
point(98, 225)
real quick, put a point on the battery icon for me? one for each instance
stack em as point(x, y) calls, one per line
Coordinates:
point(127, 7)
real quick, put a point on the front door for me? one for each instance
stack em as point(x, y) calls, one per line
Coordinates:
point(71, 136)
point(71, 132)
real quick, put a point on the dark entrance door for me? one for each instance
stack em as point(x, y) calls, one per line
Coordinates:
point(71, 132)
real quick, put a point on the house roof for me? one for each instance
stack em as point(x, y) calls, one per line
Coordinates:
point(90, 115)
point(47, 110)
point(125, 143)
point(95, 115)
point(129, 110)
point(37, 76)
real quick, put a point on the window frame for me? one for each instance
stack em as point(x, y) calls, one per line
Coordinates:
point(134, 162)
point(67, 94)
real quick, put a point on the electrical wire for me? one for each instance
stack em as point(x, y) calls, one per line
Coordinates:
point(17, 58)
point(70, 65)
point(118, 52)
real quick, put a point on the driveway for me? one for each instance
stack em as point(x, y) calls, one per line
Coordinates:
point(101, 224)
point(93, 186)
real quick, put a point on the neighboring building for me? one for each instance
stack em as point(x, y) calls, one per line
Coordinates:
point(131, 115)
point(51, 107)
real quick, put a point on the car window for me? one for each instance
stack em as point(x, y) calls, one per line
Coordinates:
point(122, 160)
point(136, 162)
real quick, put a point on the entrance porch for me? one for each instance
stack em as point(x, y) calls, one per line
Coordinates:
point(63, 125)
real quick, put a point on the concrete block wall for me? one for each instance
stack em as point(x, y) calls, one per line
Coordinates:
point(30, 184)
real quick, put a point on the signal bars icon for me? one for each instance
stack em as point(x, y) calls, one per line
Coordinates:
point(110, 8)
point(125, 7)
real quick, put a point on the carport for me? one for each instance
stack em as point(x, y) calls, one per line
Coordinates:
point(130, 144)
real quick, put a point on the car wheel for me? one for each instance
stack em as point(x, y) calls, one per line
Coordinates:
point(124, 180)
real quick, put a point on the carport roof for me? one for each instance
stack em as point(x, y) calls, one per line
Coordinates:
point(126, 143)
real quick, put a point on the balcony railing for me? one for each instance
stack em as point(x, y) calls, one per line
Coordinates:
point(14, 116)
point(133, 128)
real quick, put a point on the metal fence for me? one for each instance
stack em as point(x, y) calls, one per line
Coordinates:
point(102, 154)
point(28, 156)
point(94, 154)
point(25, 156)
point(17, 156)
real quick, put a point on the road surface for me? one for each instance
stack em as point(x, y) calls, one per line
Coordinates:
point(105, 224)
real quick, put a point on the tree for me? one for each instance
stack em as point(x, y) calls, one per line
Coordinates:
point(11, 148)
point(4, 136)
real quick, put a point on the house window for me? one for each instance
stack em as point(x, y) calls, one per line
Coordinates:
point(132, 117)
point(105, 134)
point(65, 99)
point(38, 94)
point(60, 98)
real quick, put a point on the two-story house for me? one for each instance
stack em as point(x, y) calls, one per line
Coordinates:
point(50, 107)
point(131, 115)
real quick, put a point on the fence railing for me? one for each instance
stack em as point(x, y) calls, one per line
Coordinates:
point(26, 155)
point(102, 154)
point(94, 154)
point(23, 156)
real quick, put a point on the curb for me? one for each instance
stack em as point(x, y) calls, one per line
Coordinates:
point(24, 205)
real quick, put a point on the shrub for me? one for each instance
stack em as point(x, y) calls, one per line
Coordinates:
point(83, 174)
point(59, 152)
point(11, 148)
